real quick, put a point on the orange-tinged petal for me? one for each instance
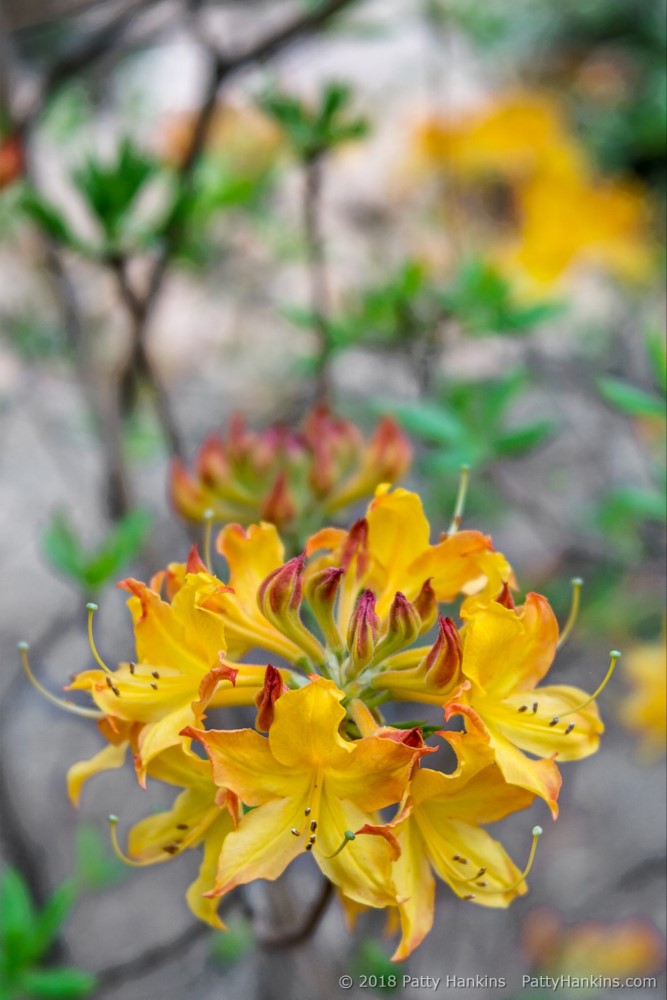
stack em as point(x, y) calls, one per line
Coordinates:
point(464, 562)
point(397, 529)
point(110, 758)
point(251, 555)
point(506, 649)
point(374, 775)
point(541, 777)
point(478, 798)
point(242, 760)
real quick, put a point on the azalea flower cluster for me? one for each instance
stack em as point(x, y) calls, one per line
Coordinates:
point(354, 622)
point(294, 479)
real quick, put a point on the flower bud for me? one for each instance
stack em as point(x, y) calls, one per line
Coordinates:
point(443, 660)
point(354, 557)
point(321, 593)
point(363, 631)
point(279, 507)
point(212, 464)
point(279, 598)
point(266, 699)
point(403, 627)
point(426, 606)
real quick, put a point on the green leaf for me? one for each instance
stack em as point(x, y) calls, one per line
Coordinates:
point(427, 420)
point(631, 399)
point(230, 947)
point(632, 502)
point(121, 545)
point(370, 960)
point(523, 439)
point(58, 984)
point(52, 916)
point(17, 920)
point(63, 548)
point(656, 345)
point(48, 218)
point(111, 190)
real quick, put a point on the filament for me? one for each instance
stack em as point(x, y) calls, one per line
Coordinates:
point(577, 584)
point(92, 608)
point(537, 833)
point(348, 836)
point(615, 656)
point(120, 854)
point(464, 479)
point(208, 532)
point(69, 706)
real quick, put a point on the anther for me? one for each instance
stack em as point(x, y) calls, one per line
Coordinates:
point(534, 707)
point(170, 849)
point(154, 685)
point(295, 832)
point(524, 708)
point(133, 667)
point(313, 825)
point(307, 811)
point(309, 846)
point(468, 897)
point(554, 721)
point(115, 690)
point(569, 729)
point(155, 674)
point(461, 861)
point(481, 884)
point(181, 826)
point(109, 681)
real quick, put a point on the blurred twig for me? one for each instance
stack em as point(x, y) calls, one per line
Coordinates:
point(317, 273)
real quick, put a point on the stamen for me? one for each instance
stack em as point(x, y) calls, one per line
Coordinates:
point(348, 836)
point(133, 862)
point(313, 826)
point(461, 860)
point(181, 826)
point(569, 729)
point(524, 708)
point(155, 674)
point(295, 832)
point(69, 706)
point(577, 583)
point(534, 708)
point(615, 657)
point(92, 608)
point(554, 721)
point(307, 811)
point(209, 515)
point(460, 500)
point(133, 667)
point(154, 685)
point(537, 833)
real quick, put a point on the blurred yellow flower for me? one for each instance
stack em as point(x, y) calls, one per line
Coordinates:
point(644, 710)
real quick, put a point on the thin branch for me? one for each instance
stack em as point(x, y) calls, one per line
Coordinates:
point(307, 928)
point(317, 270)
point(151, 958)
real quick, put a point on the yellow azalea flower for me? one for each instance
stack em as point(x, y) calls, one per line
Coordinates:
point(201, 814)
point(309, 790)
point(506, 653)
point(180, 667)
point(644, 710)
point(120, 735)
point(438, 829)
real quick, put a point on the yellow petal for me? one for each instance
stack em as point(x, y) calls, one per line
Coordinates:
point(505, 649)
point(415, 886)
point(242, 761)
point(171, 832)
point(363, 868)
point(251, 555)
point(305, 728)
point(262, 846)
point(374, 775)
point(397, 530)
point(205, 908)
point(535, 733)
point(108, 759)
point(464, 562)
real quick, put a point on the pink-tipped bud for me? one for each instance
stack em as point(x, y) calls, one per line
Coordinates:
point(505, 597)
point(280, 594)
point(279, 507)
point(212, 465)
point(321, 592)
point(403, 627)
point(426, 606)
point(443, 660)
point(354, 556)
point(363, 631)
point(266, 699)
point(279, 598)
point(185, 493)
point(389, 451)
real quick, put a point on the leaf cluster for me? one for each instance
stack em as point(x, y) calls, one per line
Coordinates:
point(313, 130)
point(26, 935)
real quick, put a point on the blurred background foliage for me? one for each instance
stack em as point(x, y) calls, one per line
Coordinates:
point(193, 222)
